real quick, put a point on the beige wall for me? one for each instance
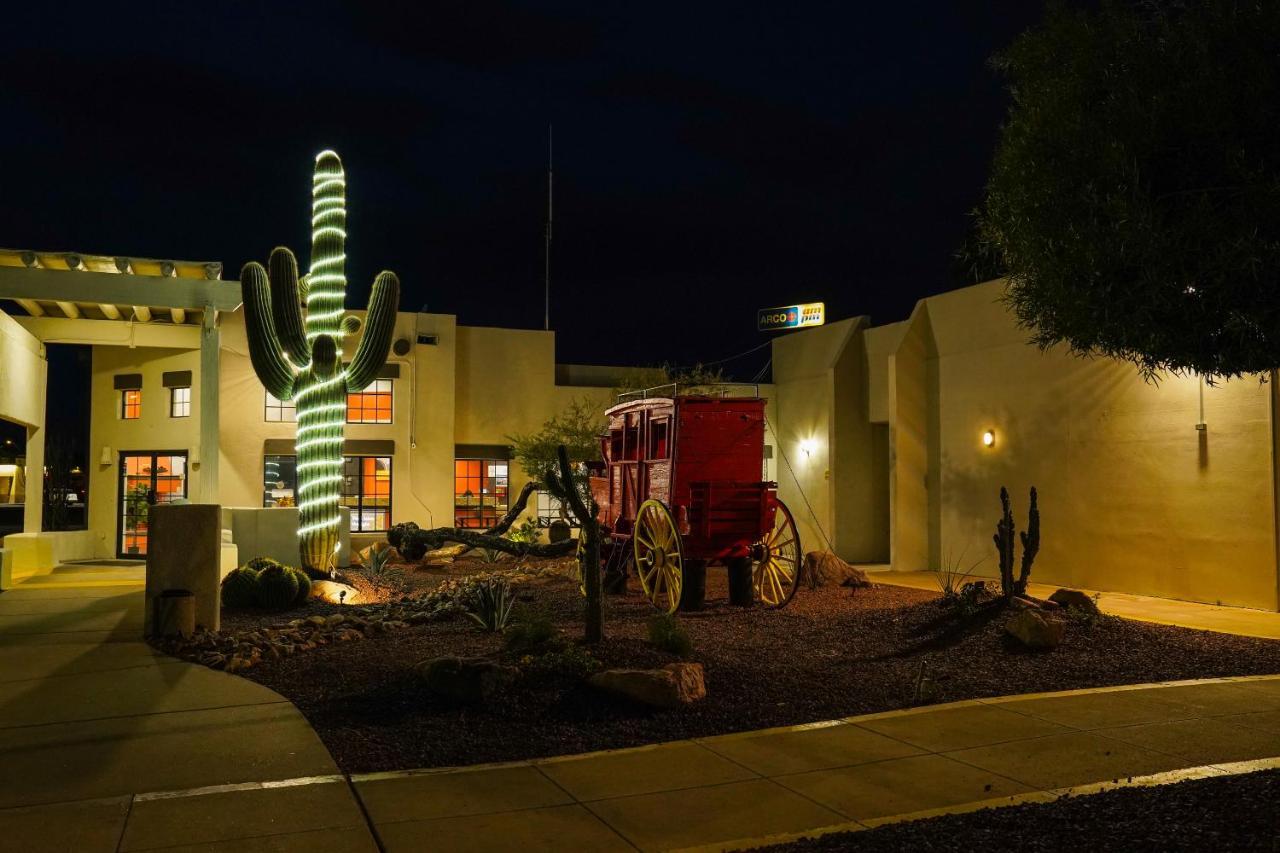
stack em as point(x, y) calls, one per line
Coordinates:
point(22, 395)
point(1132, 496)
point(154, 430)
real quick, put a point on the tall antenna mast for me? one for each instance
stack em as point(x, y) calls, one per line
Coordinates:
point(546, 321)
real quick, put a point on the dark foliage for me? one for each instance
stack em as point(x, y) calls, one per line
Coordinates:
point(1134, 195)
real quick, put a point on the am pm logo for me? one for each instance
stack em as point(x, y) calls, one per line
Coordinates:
point(791, 316)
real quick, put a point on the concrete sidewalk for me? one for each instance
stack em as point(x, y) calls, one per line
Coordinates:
point(90, 716)
point(106, 746)
point(1144, 608)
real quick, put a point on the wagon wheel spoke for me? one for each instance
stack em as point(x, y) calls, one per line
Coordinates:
point(777, 576)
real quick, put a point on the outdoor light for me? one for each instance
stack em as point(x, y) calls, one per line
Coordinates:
point(807, 447)
point(989, 438)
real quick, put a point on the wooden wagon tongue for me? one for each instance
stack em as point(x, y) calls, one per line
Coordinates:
point(680, 487)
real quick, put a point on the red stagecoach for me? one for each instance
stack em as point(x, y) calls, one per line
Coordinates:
point(679, 487)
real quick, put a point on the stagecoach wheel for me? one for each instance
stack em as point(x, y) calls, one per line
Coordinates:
point(659, 563)
point(776, 559)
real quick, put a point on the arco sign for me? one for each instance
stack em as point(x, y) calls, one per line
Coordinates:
point(791, 316)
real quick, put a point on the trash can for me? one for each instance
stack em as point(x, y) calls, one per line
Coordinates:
point(175, 613)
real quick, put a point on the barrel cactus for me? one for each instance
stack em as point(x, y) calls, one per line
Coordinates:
point(298, 354)
point(277, 587)
point(304, 587)
point(240, 589)
point(257, 564)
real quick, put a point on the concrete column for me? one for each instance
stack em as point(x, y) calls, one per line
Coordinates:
point(210, 345)
point(33, 506)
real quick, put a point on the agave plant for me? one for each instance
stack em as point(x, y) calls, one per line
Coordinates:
point(489, 606)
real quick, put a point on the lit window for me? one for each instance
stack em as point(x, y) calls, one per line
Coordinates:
point(366, 490)
point(479, 492)
point(131, 404)
point(180, 402)
point(279, 481)
point(280, 410)
point(550, 509)
point(372, 405)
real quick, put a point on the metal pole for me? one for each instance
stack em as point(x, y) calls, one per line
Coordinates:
point(546, 319)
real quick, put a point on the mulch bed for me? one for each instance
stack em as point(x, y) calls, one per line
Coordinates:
point(1231, 813)
point(833, 652)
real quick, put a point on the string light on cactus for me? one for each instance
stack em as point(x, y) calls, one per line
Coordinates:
point(299, 357)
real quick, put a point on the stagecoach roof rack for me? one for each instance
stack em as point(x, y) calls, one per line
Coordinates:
point(692, 389)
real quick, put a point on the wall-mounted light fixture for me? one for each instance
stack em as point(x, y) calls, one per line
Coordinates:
point(989, 438)
point(807, 447)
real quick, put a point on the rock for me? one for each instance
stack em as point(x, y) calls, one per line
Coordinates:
point(674, 685)
point(332, 592)
point(1064, 597)
point(335, 619)
point(1033, 630)
point(468, 680)
point(317, 620)
point(824, 568)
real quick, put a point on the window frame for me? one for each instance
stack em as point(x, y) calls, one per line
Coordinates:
point(179, 408)
point(281, 407)
point(482, 479)
point(358, 509)
point(125, 404)
point(368, 402)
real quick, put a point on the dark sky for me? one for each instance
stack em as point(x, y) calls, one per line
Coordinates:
point(710, 159)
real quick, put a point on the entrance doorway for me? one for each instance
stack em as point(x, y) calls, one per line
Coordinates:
point(146, 477)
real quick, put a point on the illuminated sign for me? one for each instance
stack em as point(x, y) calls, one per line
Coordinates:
point(791, 316)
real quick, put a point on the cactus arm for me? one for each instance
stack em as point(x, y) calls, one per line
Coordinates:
point(286, 306)
point(380, 324)
point(264, 352)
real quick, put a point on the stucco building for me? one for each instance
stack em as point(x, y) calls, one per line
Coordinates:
point(889, 443)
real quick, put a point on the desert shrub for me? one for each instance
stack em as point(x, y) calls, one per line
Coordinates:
point(569, 661)
point(954, 574)
point(531, 632)
point(489, 604)
point(240, 589)
point(304, 587)
point(969, 598)
point(490, 555)
point(666, 633)
point(277, 587)
point(525, 531)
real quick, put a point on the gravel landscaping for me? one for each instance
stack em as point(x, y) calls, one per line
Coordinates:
point(833, 652)
point(1231, 813)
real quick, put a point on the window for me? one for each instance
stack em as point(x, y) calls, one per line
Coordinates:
point(479, 492)
point(372, 405)
point(549, 510)
point(658, 445)
point(131, 404)
point(366, 489)
point(279, 480)
point(280, 410)
point(180, 402)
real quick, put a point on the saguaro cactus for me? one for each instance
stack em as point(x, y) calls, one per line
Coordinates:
point(301, 359)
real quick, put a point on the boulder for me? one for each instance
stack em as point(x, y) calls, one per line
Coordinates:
point(468, 680)
point(824, 568)
point(332, 592)
point(1064, 597)
point(1033, 630)
point(674, 685)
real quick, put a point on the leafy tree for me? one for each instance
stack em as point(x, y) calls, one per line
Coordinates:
point(1134, 195)
point(669, 374)
point(578, 429)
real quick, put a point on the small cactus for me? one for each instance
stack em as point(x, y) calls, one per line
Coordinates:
point(257, 564)
point(277, 587)
point(1005, 541)
point(240, 589)
point(304, 587)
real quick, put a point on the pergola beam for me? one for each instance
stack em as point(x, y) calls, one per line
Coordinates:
point(142, 313)
point(109, 311)
point(71, 309)
point(178, 315)
point(31, 307)
point(89, 287)
point(59, 330)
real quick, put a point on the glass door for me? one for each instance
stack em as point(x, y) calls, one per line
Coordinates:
point(146, 477)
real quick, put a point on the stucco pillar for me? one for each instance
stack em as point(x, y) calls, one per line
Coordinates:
point(210, 345)
point(33, 506)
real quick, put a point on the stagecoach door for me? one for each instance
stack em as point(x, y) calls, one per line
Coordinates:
point(146, 477)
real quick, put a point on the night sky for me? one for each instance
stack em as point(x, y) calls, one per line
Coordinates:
point(709, 159)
